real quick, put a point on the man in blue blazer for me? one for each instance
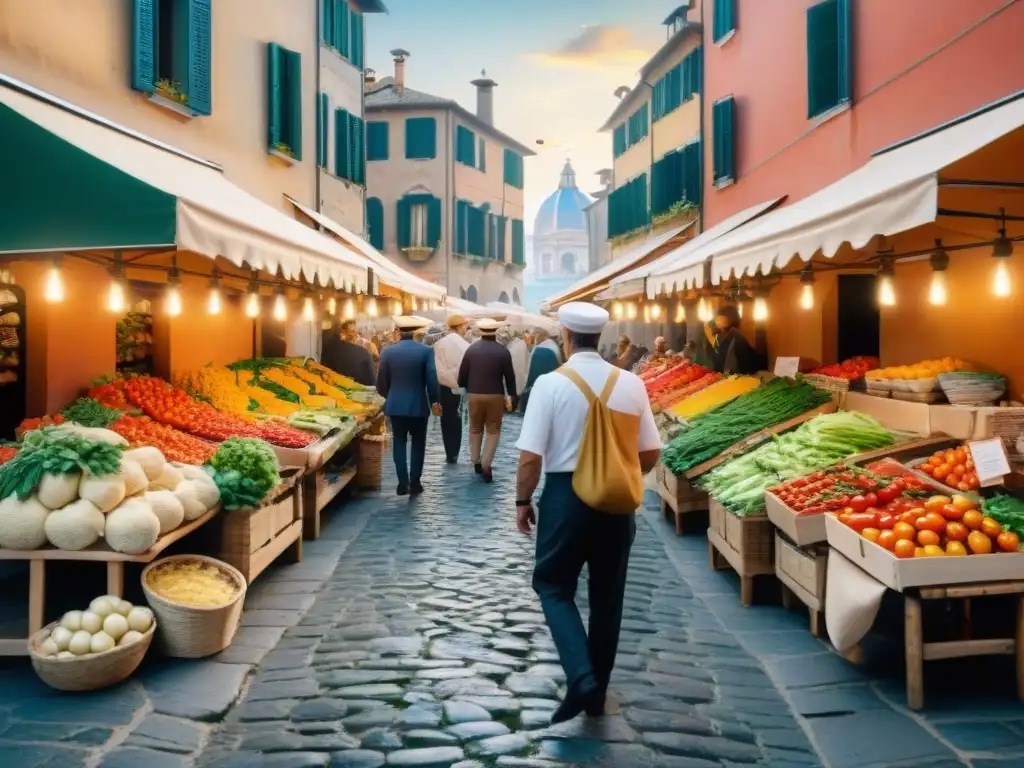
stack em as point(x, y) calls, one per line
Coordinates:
point(407, 379)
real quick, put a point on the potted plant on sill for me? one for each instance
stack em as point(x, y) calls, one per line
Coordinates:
point(418, 252)
point(171, 91)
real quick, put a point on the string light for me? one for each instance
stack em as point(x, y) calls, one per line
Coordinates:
point(1002, 249)
point(332, 306)
point(173, 300)
point(937, 294)
point(702, 310)
point(617, 310)
point(656, 312)
point(647, 313)
point(280, 306)
point(116, 302)
point(371, 308)
point(213, 304)
point(53, 291)
point(630, 311)
point(307, 310)
point(807, 288)
point(680, 312)
point(350, 309)
point(760, 309)
point(886, 290)
point(739, 308)
point(396, 307)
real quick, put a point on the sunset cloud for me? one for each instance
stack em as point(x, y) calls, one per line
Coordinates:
point(597, 47)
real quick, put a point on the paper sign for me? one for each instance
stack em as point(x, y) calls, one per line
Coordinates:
point(990, 460)
point(787, 366)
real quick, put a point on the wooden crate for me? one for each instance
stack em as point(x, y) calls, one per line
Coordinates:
point(802, 571)
point(747, 544)
point(251, 539)
point(679, 498)
point(319, 489)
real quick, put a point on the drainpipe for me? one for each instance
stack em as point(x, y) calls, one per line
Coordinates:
point(449, 201)
point(316, 99)
point(703, 146)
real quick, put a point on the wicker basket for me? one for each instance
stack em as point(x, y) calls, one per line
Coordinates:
point(187, 632)
point(91, 672)
point(370, 463)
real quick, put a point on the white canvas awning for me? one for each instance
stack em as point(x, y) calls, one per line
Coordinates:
point(598, 279)
point(386, 270)
point(895, 191)
point(682, 267)
point(213, 217)
point(516, 315)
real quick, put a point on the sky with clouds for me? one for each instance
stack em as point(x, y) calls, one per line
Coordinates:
point(557, 64)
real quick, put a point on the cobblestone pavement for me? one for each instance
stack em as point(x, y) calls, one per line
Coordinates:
point(410, 636)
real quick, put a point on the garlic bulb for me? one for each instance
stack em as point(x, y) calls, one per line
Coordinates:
point(102, 607)
point(48, 647)
point(129, 637)
point(101, 642)
point(140, 619)
point(61, 636)
point(72, 620)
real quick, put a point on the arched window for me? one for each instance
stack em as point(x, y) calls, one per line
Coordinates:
point(515, 296)
point(569, 263)
point(471, 293)
point(503, 297)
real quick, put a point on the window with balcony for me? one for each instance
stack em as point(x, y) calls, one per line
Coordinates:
point(284, 102)
point(675, 178)
point(419, 224)
point(172, 53)
point(828, 56)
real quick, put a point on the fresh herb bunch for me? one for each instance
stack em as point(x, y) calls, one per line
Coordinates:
point(245, 470)
point(55, 451)
point(90, 413)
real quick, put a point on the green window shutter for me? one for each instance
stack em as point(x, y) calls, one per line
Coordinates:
point(377, 134)
point(354, 124)
point(501, 223)
point(476, 228)
point(666, 182)
point(465, 146)
point(356, 51)
point(828, 56)
point(275, 97)
point(341, 27)
point(198, 49)
point(375, 222)
point(723, 118)
point(482, 155)
point(461, 220)
point(144, 45)
point(421, 138)
point(433, 222)
point(404, 228)
point(327, 21)
point(724, 19)
point(322, 129)
point(619, 145)
point(691, 173)
point(845, 51)
point(293, 93)
point(513, 169)
point(518, 242)
point(341, 139)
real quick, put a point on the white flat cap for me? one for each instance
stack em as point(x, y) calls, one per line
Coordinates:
point(487, 325)
point(582, 317)
point(409, 323)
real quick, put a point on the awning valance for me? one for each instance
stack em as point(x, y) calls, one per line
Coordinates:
point(895, 191)
point(598, 279)
point(170, 198)
point(386, 270)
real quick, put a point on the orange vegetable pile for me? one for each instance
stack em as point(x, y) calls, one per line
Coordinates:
point(174, 444)
point(952, 467)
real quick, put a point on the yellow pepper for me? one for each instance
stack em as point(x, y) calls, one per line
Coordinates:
point(716, 394)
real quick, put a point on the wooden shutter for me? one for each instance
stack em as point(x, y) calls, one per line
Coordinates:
point(723, 118)
point(691, 172)
point(619, 145)
point(724, 20)
point(501, 222)
point(461, 224)
point(274, 95)
point(341, 140)
point(293, 95)
point(341, 27)
point(377, 135)
point(518, 242)
point(420, 138)
point(356, 53)
point(433, 222)
point(375, 222)
point(322, 129)
point(404, 228)
point(199, 52)
point(465, 146)
point(823, 69)
point(144, 45)
point(844, 52)
point(354, 132)
point(476, 223)
point(327, 21)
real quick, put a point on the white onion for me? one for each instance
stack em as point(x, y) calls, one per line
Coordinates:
point(61, 636)
point(140, 619)
point(65, 655)
point(80, 643)
point(48, 647)
point(121, 605)
point(102, 607)
point(92, 622)
point(72, 620)
point(115, 625)
point(101, 642)
point(129, 637)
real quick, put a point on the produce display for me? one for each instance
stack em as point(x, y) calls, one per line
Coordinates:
point(934, 527)
point(714, 395)
point(673, 397)
point(739, 483)
point(90, 413)
point(952, 467)
point(309, 385)
point(7, 452)
point(194, 584)
point(716, 430)
point(678, 375)
point(1008, 511)
point(174, 444)
point(135, 342)
point(851, 369)
point(920, 377)
point(244, 471)
point(109, 622)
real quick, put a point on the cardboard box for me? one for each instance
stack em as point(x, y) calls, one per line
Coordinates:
point(801, 529)
point(899, 415)
point(900, 574)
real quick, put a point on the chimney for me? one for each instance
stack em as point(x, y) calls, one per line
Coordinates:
point(369, 78)
point(400, 56)
point(604, 176)
point(485, 97)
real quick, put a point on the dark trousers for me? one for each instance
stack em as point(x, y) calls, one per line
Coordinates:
point(451, 423)
point(569, 535)
point(404, 429)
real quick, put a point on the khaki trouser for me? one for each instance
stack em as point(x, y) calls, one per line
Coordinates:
point(484, 411)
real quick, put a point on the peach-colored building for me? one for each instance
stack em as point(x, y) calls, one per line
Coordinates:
point(445, 188)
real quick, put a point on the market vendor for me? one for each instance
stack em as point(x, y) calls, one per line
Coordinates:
point(344, 354)
point(730, 352)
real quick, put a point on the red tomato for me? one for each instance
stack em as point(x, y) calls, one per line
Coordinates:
point(859, 503)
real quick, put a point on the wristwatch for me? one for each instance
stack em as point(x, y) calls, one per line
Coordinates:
point(524, 503)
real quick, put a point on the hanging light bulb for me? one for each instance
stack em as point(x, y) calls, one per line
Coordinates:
point(307, 310)
point(807, 288)
point(252, 300)
point(886, 290)
point(760, 309)
point(630, 311)
point(350, 309)
point(280, 306)
point(371, 307)
point(213, 304)
point(680, 312)
point(332, 306)
point(656, 312)
point(739, 308)
point(647, 313)
point(173, 300)
point(617, 310)
point(53, 291)
point(937, 288)
point(116, 301)
point(702, 310)
point(1002, 249)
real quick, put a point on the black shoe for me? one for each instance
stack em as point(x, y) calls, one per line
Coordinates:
point(416, 488)
point(488, 476)
point(596, 706)
point(577, 700)
point(403, 490)
point(478, 468)
point(452, 461)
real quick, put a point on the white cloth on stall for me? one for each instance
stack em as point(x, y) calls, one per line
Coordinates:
point(852, 600)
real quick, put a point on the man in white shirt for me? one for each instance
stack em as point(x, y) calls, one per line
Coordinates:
point(569, 533)
point(448, 354)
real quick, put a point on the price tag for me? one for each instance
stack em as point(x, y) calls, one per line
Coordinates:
point(990, 460)
point(787, 366)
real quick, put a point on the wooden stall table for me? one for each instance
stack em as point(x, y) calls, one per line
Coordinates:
point(919, 651)
point(746, 544)
point(99, 552)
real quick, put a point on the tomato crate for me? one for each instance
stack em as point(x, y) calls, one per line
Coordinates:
point(747, 544)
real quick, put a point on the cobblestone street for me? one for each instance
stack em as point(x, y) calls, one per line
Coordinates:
point(410, 636)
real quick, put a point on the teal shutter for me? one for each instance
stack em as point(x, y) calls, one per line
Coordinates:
point(356, 51)
point(353, 147)
point(465, 146)
point(341, 140)
point(844, 53)
point(404, 228)
point(724, 20)
point(619, 145)
point(293, 94)
point(198, 47)
point(513, 168)
point(666, 182)
point(274, 95)
point(144, 45)
point(501, 222)
point(723, 116)
point(420, 138)
point(828, 56)
point(323, 125)
point(327, 21)
point(693, 156)
point(377, 141)
point(461, 220)
point(482, 155)
point(341, 26)
point(375, 222)
point(433, 222)
point(518, 242)
point(476, 224)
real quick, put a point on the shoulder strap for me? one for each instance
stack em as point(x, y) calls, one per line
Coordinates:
point(576, 379)
point(609, 385)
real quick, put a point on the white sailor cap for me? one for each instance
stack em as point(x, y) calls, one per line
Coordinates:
point(488, 325)
point(582, 317)
point(410, 323)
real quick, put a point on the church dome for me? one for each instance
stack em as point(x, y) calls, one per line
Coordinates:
point(563, 209)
